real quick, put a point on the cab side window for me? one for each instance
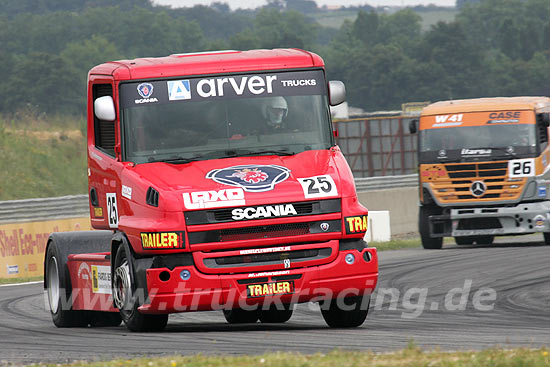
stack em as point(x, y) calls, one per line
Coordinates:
point(542, 133)
point(104, 130)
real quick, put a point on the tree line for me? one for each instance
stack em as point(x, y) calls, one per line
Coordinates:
point(492, 48)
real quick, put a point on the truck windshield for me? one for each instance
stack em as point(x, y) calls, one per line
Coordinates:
point(463, 142)
point(225, 116)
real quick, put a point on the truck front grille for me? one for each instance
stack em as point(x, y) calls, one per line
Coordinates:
point(282, 230)
point(455, 186)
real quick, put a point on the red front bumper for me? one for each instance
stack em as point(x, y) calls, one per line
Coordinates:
point(168, 293)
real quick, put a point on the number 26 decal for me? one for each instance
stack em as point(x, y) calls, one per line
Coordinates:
point(521, 167)
point(318, 186)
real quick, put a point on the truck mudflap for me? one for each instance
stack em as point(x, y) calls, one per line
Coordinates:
point(185, 288)
point(520, 219)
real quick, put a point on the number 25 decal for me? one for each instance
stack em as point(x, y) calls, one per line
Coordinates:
point(318, 186)
point(521, 167)
point(112, 210)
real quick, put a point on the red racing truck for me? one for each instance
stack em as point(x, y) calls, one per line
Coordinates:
point(215, 184)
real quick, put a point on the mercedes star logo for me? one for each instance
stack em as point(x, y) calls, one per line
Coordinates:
point(478, 188)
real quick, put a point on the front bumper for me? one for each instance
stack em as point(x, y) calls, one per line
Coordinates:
point(521, 219)
point(168, 293)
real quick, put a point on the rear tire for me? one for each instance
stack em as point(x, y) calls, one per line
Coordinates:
point(465, 240)
point(354, 313)
point(276, 316)
point(59, 289)
point(126, 298)
point(546, 238)
point(428, 242)
point(240, 316)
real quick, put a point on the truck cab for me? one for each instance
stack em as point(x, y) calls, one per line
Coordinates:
point(217, 183)
point(483, 169)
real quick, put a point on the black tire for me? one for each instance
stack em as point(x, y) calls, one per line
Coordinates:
point(484, 240)
point(276, 315)
point(465, 240)
point(546, 238)
point(240, 316)
point(59, 289)
point(355, 311)
point(428, 242)
point(126, 297)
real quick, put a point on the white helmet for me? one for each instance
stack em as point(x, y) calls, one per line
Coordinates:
point(275, 110)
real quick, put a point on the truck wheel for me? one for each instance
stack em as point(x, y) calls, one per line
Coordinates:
point(58, 285)
point(484, 240)
point(546, 238)
point(127, 299)
point(240, 316)
point(276, 316)
point(466, 240)
point(428, 242)
point(353, 314)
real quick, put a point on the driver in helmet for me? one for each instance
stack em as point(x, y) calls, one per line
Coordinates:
point(274, 111)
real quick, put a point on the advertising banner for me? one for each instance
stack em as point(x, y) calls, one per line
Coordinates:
point(22, 245)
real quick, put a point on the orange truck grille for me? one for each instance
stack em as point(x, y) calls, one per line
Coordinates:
point(452, 182)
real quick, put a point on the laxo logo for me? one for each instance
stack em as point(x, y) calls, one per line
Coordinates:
point(213, 199)
point(252, 177)
point(178, 90)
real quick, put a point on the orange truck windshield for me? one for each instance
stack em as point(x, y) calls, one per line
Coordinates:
point(489, 134)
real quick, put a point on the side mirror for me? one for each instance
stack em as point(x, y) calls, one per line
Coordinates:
point(413, 126)
point(104, 108)
point(337, 92)
point(545, 118)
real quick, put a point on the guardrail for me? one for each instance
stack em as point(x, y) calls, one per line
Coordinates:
point(74, 206)
point(17, 211)
point(385, 182)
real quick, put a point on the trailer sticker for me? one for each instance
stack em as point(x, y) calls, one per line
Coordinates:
point(356, 224)
point(112, 210)
point(214, 199)
point(162, 240)
point(251, 177)
point(269, 289)
point(521, 167)
point(318, 186)
point(101, 279)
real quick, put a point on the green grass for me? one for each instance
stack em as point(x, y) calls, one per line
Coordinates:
point(431, 17)
point(396, 244)
point(41, 157)
point(20, 280)
point(412, 356)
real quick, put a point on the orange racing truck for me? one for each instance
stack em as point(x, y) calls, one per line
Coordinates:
point(483, 169)
point(215, 183)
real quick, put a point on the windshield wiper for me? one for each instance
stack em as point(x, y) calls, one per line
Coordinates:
point(175, 160)
point(236, 153)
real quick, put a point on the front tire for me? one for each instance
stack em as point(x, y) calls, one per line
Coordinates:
point(276, 316)
point(240, 316)
point(59, 289)
point(466, 240)
point(428, 242)
point(546, 238)
point(126, 296)
point(346, 312)
point(484, 240)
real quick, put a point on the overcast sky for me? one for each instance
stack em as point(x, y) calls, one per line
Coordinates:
point(234, 4)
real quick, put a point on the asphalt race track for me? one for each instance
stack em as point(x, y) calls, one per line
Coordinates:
point(513, 312)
